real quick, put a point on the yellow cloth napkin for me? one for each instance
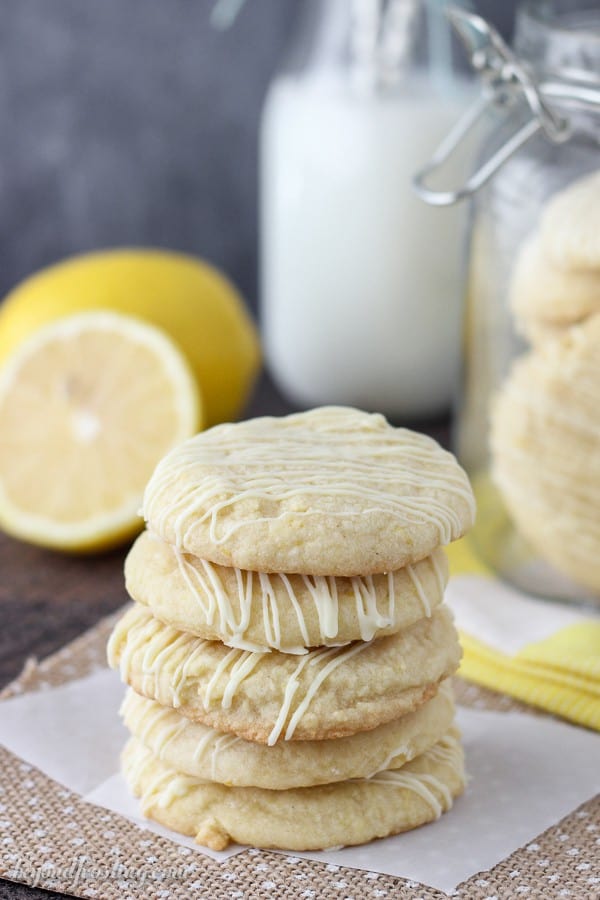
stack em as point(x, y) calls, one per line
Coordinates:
point(543, 653)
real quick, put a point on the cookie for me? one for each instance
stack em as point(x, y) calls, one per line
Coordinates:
point(570, 225)
point(310, 818)
point(332, 491)
point(255, 611)
point(195, 749)
point(266, 697)
point(546, 298)
point(545, 441)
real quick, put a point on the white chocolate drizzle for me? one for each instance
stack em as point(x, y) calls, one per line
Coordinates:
point(447, 752)
point(223, 742)
point(164, 787)
point(158, 725)
point(332, 658)
point(354, 457)
point(419, 783)
point(403, 750)
point(204, 584)
point(419, 589)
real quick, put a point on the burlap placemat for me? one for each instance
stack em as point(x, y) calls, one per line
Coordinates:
point(52, 839)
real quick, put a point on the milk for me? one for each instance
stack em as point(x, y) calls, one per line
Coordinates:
point(360, 279)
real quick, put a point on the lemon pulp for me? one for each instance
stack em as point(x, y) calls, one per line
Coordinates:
point(88, 406)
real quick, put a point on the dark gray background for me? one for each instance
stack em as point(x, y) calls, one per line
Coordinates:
point(135, 122)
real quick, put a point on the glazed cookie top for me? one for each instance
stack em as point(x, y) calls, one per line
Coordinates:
point(194, 749)
point(570, 225)
point(324, 816)
point(266, 697)
point(332, 491)
point(258, 611)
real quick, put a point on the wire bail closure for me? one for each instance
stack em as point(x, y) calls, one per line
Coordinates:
point(506, 79)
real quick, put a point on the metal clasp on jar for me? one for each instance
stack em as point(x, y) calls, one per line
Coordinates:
point(507, 80)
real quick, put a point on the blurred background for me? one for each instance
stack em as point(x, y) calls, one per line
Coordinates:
point(136, 122)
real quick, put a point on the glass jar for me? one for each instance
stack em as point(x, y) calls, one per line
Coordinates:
point(527, 428)
point(361, 283)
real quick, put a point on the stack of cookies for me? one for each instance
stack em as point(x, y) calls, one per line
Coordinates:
point(548, 411)
point(556, 280)
point(288, 654)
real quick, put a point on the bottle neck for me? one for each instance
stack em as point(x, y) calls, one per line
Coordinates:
point(374, 45)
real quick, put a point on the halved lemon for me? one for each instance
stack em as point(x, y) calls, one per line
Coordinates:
point(190, 300)
point(88, 406)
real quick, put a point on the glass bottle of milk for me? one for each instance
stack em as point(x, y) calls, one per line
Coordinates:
point(361, 280)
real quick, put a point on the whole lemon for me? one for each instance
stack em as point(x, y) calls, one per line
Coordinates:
point(188, 298)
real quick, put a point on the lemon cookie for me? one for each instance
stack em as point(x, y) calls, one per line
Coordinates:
point(545, 442)
point(265, 697)
point(546, 298)
point(570, 225)
point(195, 749)
point(332, 491)
point(286, 612)
point(311, 818)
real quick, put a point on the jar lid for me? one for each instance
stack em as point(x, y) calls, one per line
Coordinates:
point(507, 80)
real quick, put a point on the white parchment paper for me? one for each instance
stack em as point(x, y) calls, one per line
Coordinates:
point(488, 610)
point(525, 773)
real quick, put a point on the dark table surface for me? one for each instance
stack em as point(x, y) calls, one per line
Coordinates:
point(48, 599)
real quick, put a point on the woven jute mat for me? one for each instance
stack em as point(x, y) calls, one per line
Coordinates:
point(51, 838)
